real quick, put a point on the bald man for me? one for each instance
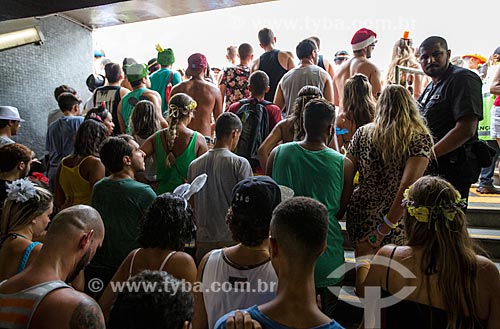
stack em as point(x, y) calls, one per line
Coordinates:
point(47, 300)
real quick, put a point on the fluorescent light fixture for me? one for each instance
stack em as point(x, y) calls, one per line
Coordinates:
point(21, 38)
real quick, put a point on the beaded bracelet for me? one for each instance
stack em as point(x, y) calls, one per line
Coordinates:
point(389, 223)
point(380, 232)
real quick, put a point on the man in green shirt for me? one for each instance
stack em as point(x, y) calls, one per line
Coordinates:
point(121, 201)
point(312, 169)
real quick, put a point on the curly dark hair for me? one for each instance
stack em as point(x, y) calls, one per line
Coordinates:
point(250, 231)
point(167, 223)
point(159, 303)
point(89, 138)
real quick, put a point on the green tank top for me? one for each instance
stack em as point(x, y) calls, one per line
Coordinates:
point(319, 175)
point(170, 178)
point(128, 103)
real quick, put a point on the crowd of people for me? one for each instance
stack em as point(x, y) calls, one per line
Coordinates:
point(166, 187)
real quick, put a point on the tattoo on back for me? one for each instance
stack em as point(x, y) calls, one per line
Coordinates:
point(87, 315)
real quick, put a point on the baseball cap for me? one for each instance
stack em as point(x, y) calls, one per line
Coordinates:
point(341, 54)
point(196, 62)
point(497, 51)
point(94, 81)
point(256, 196)
point(10, 113)
point(136, 72)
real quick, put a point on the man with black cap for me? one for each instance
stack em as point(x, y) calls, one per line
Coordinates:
point(363, 42)
point(137, 75)
point(206, 94)
point(165, 78)
point(248, 262)
point(9, 124)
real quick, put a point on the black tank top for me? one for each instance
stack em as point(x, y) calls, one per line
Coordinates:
point(269, 63)
point(320, 62)
point(412, 315)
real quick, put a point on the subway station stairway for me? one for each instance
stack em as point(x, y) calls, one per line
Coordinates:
point(483, 222)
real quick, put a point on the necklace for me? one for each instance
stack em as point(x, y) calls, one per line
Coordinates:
point(17, 235)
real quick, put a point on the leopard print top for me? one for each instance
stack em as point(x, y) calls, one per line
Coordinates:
point(378, 185)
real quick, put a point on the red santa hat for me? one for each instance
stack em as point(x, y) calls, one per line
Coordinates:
point(363, 38)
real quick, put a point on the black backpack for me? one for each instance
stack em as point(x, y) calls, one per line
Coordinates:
point(255, 122)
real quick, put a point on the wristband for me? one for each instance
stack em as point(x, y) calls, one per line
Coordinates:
point(389, 223)
point(382, 234)
point(365, 263)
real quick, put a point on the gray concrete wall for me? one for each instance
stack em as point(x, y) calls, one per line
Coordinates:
point(29, 75)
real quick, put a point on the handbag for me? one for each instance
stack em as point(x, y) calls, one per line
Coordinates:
point(483, 152)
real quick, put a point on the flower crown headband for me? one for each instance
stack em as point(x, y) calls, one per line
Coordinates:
point(424, 213)
point(21, 190)
point(175, 110)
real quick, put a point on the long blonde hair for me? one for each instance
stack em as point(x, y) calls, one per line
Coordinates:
point(402, 55)
point(179, 107)
point(448, 250)
point(397, 121)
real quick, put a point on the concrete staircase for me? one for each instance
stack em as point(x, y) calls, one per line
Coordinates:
point(484, 228)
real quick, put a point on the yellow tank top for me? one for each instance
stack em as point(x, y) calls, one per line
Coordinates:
point(76, 189)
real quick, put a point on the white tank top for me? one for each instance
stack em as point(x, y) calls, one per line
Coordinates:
point(227, 286)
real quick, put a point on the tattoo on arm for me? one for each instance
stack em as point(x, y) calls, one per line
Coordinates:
point(87, 315)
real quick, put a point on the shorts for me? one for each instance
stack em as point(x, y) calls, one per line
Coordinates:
point(495, 122)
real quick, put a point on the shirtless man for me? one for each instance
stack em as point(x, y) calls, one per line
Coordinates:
point(363, 43)
point(274, 61)
point(71, 242)
point(206, 94)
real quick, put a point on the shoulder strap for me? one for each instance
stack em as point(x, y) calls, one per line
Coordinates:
point(170, 254)
point(265, 102)
point(132, 263)
point(26, 256)
point(244, 101)
point(170, 77)
point(388, 268)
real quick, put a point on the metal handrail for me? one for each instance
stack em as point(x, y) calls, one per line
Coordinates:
point(399, 68)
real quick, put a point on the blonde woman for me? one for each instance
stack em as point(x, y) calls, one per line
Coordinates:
point(177, 146)
point(404, 55)
point(390, 154)
point(290, 129)
point(145, 122)
point(25, 217)
point(453, 286)
point(359, 108)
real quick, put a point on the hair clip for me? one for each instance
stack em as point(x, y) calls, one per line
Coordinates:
point(21, 190)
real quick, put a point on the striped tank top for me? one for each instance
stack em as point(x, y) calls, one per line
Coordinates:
point(17, 309)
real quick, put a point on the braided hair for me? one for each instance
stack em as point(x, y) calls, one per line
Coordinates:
point(306, 94)
point(179, 107)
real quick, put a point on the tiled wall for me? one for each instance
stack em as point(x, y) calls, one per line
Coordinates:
point(29, 75)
